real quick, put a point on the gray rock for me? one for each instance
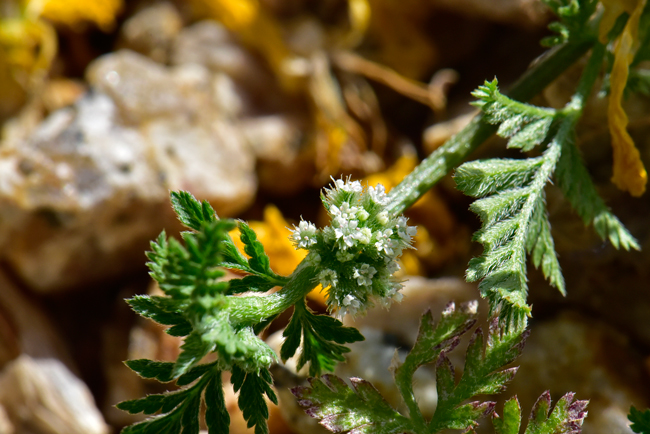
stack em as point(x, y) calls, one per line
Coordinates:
point(44, 397)
point(83, 194)
point(151, 31)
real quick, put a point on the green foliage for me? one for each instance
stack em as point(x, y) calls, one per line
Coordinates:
point(573, 18)
point(576, 184)
point(252, 386)
point(360, 409)
point(525, 125)
point(640, 420)
point(196, 305)
point(567, 416)
point(511, 203)
point(511, 199)
point(483, 375)
point(321, 336)
point(179, 409)
point(363, 410)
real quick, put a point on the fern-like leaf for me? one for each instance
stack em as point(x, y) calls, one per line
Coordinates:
point(361, 409)
point(483, 375)
point(567, 416)
point(323, 340)
point(525, 125)
point(180, 409)
point(573, 18)
point(512, 209)
point(252, 386)
point(576, 184)
point(357, 410)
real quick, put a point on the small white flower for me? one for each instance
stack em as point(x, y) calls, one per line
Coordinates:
point(364, 236)
point(350, 304)
point(382, 218)
point(378, 194)
point(364, 274)
point(405, 232)
point(349, 187)
point(327, 278)
point(304, 236)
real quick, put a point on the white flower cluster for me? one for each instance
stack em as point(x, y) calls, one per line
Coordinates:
point(357, 254)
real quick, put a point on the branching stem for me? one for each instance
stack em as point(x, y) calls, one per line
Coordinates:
point(458, 148)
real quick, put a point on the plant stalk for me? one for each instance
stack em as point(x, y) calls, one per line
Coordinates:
point(447, 157)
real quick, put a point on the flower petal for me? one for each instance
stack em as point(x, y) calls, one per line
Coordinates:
point(629, 173)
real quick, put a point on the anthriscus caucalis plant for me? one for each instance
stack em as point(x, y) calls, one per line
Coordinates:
point(354, 259)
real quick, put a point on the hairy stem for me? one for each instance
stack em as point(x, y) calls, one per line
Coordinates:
point(458, 148)
point(251, 310)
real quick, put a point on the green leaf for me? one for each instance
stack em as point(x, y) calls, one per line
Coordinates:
point(566, 418)
point(251, 283)
point(163, 312)
point(216, 416)
point(433, 341)
point(541, 247)
point(363, 410)
point(640, 421)
point(513, 209)
point(526, 125)
point(574, 17)
point(258, 261)
point(162, 371)
point(511, 420)
point(180, 409)
point(321, 337)
point(190, 211)
point(252, 386)
point(341, 409)
point(483, 375)
point(481, 178)
point(576, 184)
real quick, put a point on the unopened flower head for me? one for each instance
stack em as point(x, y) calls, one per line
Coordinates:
point(357, 254)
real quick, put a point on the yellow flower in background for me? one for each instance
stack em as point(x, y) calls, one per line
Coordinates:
point(74, 13)
point(629, 173)
point(273, 232)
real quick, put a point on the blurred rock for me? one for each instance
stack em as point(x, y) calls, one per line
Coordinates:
point(6, 427)
point(61, 92)
point(151, 31)
point(284, 163)
point(44, 397)
point(521, 13)
point(26, 329)
point(83, 194)
point(210, 44)
point(573, 353)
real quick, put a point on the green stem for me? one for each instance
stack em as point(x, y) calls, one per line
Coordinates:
point(251, 310)
point(589, 76)
point(457, 149)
